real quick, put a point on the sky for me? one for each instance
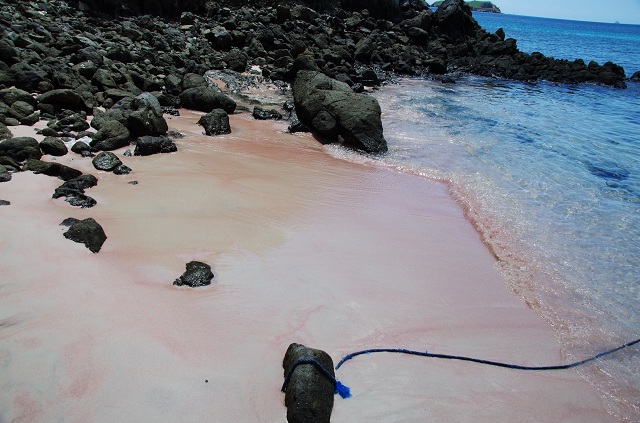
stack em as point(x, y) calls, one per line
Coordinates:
point(623, 11)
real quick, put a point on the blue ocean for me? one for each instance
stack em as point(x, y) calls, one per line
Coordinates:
point(550, 176)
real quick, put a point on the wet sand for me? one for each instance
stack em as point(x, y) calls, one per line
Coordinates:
point(305, 248)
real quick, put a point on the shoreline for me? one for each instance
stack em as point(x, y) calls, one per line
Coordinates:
point(305, 248)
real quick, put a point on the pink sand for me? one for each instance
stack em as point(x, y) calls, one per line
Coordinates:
point(306, 248)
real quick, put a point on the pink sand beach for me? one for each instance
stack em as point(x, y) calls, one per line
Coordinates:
point(305, 248)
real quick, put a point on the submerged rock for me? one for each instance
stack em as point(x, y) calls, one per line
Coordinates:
point(206, 99)
point(87, 232)
point(309, 394)
point(197, 274)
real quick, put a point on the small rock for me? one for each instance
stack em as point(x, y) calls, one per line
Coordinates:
point(148, 145)
point(5, 203)
point(88, 232)
point(133, 183)
point(264, 114)
point(197, 274)
point(122, 170)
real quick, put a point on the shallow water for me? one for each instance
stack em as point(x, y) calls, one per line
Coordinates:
point(550, 176)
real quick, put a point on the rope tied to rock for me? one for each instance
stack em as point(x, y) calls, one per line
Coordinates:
point(345, 392)
point(339, 388)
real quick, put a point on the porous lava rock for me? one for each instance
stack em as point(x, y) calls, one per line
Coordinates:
point(88, 232)
point(197, 274)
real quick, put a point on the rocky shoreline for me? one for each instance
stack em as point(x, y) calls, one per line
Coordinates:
point(102, 61)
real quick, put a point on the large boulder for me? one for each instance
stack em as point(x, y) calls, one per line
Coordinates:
point(206, 99)
point(309, 393)
point(148, 145)
point(20, 148)
point(64, 98)
point(53, 146)
point(143, 115)
point(453, 19)
point(51, 169)
point(88, 232)
point(333, 110)
point(215, 122)
point(111, 136)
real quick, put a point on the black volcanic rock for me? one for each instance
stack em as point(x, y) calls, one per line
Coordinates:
point(197, 274)
point(333, 110)
point(20, 148)
point(53, 146)
point(88, 232)
point(148, 145)
point(206, 99)
point(51, 169)
point(106, 161)
point(215, 122)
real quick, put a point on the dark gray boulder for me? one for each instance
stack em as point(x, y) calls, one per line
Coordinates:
point(106, 161)
point(236, 60)
point(53, 146)
point(193, 80)
point(143, 115)
point(11, 95)
point(215, 122)
point(20, 148)
point(333, 110)
point(309, 393)
point(197, 274)
point(73, 191)
point(5, 203)
point(261, 113)
point(148, 145)
point(206, 99)
point(88, 232)
point(64, 98)
point(111, 136)
point(51, 169)
point(82, 148)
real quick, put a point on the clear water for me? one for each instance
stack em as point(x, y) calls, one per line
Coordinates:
point(550, 175)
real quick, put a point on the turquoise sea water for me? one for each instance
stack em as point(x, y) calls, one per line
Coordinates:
point(550, 176)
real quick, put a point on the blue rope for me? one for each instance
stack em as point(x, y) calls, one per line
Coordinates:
point(477, 360)
point(339, 388)
point(345, 392)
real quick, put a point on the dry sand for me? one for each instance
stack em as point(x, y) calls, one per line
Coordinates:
point(306, 248)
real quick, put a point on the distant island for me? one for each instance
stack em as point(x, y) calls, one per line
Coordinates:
point(477, 6)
